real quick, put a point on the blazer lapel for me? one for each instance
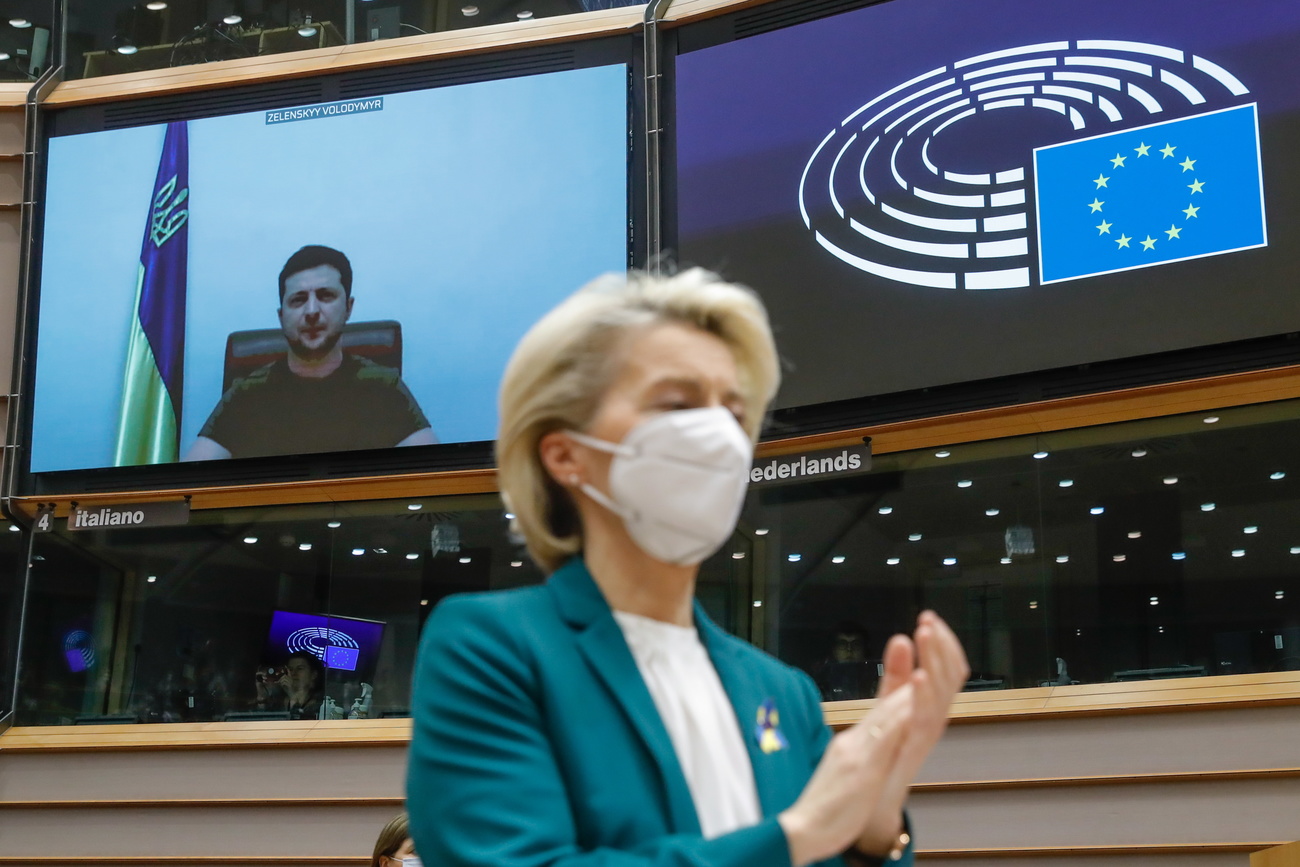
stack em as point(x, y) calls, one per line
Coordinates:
point(601, 642)
point(747, 694)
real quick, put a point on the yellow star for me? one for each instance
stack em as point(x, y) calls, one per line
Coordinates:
point(1195, 186)
point(1187, 164)
point(1168, 150)
point(1142, 149)
point(1123, 240)
point(1190, 211)
point(1104, 228)
point(1118, 162)
point(1095, 205)
point(1173, 232)
point(1149, 243)
point(1101, 180)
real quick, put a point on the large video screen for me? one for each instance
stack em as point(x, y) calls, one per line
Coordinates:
point(329, 277)
point(936, 191)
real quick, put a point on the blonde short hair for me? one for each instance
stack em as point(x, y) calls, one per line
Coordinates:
point(561, 368)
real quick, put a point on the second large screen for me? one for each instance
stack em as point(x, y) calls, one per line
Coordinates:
point(174, 316)
point(937, 191)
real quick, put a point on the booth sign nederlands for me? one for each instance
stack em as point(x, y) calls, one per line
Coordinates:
point(811, 466)
point(131, 515)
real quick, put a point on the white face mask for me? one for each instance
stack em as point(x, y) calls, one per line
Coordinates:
point(412, 861)
point(678, 481)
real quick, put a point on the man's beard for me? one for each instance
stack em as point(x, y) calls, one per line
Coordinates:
point(306, 353)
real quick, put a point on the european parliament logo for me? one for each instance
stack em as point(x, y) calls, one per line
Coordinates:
point(1159, 162)
point(1162, 193)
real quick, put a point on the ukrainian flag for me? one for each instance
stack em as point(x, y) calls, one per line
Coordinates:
point(148, 431)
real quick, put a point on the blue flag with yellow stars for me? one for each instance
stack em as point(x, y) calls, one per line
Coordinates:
point(1171, 191)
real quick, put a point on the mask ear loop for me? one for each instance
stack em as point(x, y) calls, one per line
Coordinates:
point(599, 496)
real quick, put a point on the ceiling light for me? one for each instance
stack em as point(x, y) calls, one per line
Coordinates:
point(307, 30)
point(250, 540)
point(1155, 600)
point(1179, 555)
point(1135, 534)
point(233, 18)
point(1066, 483)
point(1239, 552)
point(1170, 480)
point(1064, 558)
point(942, 453)
point(761, 531)
point(965, 483)
point(380, 550)
point(1139, 453)
point(523, 15)
point(1210, 419)
point(837, 559)
point(1005, 561)
point(1207, 507)
point(304, 546)
point(20, 23)
point(950, 561)
point(412, 556)
point(739, 555)
point(334, 525)
point(914, 537)
point(156, 5)
point(1097, 510)
point(469, 11)
point(1033, 604)
point(516, 563)
point(758, 603)
point(466, 559)
point(152, 578)
point(794, 558)
point(885, 510)
point(1295, 550)
point(1038, 456)
point(992, 512)
point(1250, 531)
point(14, 528)
point(124, 46)
point(357, 552)
point(1277, 476)
point(1119, 558)
point(1279, 594)
point(892, 561)
point(414, 507)
point(510, 516)
point(424, 601)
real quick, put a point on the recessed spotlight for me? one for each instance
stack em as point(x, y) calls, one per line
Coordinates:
point(233, 18)
point(156, 5)
point(307, 30)
point(1279, 594)
point(1139, 453)
point(1063, 558)
point(516, 563)
point(892, 561)
point(1097, 510)
point(357, 552)
point(1295, 550)
point(739, 555)
point(424, 601)
point(761, 531)
point(126, 48)
point(942, 453)
point(1066, 483)
point(14, 528)
point(758, 603)
point(4, 55)
point(794, 558)
point(152, 578)
point(1239, 552)
point(1005, 561)
point(1155, 600)
point(523, 15)
point(914, 537)
point(1038, 456)
point(837, 559)
point(304, 546)
point(1207, 507)
point(469, 11)
point(885, 510)
point(965, 483)
point(950, 561)
point(380, 550)
point(1033, 604)
point(1135, 534)
point(414, 507)
point(1170, 480)
point(466, 559)
point(1179, 555)
point(510, 516)
point(1160, 629)
point(1210, 419)
point(20, 23)
point(250, 540)
point(334, 525)
point(1078, 632)
point(1250, 531)
point(1277, 476)
point(1119, 558)
point(992, 512)
point(412, 556)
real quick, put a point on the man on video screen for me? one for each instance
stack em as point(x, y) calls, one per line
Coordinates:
point(317, 398)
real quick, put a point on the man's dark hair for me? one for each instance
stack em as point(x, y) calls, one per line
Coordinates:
point(313, 256)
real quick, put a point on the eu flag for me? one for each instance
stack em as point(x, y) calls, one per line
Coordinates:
point(1162, 193)
point(148, 431)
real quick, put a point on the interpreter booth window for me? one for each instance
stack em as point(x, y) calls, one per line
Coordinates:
point(12, 548)
point(109, 38)
point(28, 40)
point(289, 612)
point(1138, 551)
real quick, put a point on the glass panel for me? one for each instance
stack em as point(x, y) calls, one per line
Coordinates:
point(107, 38)
point(28, 42)
point(13, 543)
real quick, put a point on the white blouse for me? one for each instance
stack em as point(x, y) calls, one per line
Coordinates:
point(700, 720)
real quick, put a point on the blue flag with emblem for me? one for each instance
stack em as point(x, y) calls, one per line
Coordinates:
point(149, 426)
point(1162, 193)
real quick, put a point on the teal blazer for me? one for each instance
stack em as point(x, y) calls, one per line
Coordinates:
point(537, 744)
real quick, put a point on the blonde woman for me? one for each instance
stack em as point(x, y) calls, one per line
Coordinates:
point(394, 847)
point(601, 719)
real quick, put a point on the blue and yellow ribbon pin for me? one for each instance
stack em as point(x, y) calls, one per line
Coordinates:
point(768, 730)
